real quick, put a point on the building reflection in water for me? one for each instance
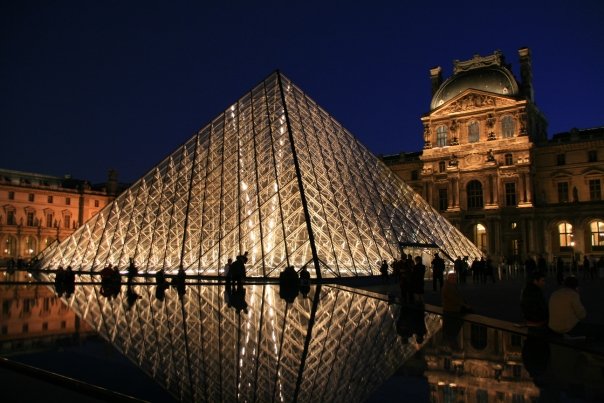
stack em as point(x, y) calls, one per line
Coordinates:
point(33, 316)
point(492, 365)
point(337, 344)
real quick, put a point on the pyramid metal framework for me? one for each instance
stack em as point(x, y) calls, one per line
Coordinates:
point(275, 175)
point(336, 345)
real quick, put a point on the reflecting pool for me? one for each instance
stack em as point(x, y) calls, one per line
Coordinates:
point(261, 343)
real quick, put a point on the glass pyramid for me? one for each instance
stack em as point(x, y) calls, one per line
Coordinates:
point(275, 175)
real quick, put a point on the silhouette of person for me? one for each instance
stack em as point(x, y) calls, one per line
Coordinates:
point(304, 281)
point(107, 281)
point(533, 303)
point(289, 284)
point(419, 270)
point(384, 271)
point(438, 271)
point(161, 284)
point(238, 269)
point(238, 299)
point(179, 282)
point(116, 282)
point(227, 271)
point(132, 272)
point(418, 323)
point(60, 281)
point(131, 296)
point(69, 278)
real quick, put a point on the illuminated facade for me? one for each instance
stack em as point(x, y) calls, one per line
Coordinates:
point(274, 175)
point(36, 210)
point(33, 316)
point(489, 168)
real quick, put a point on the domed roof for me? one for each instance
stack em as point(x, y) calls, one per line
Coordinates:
point(495, 79)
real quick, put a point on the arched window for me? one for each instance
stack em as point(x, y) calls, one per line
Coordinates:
point(10, 246)
point(441, 136)
point(473, 132)
point(31, 246)
point(507, 126)
point(597, 235)
point(565, 231)
point(474, 190)
point(480, 237)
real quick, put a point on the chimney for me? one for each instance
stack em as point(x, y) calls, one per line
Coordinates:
point(436, 77)
point(112, 182)
point(526, 74)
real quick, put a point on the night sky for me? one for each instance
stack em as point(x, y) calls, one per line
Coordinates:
point(86, 86)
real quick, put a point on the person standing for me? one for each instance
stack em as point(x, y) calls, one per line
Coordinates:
point(533, 303)
point(384, 271)
point(438, 272)
point(419, 270)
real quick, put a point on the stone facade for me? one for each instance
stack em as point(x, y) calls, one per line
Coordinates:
point(36, 210)
point(488, 166)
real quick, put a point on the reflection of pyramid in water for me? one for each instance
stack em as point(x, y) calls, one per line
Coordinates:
point(274, 175)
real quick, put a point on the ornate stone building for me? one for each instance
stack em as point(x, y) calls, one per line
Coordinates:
point(36, 210)
point(489, 167)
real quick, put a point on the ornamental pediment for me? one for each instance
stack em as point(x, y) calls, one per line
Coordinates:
point(472, 100)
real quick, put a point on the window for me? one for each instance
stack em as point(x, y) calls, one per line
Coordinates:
point(30, 197)
point(443, 199)
point(4, 330)
point(595, 190)
point(565, 231)
point(10, 246)
point(478, 336)
point(592, 156)
point(49, 219)
point(473, 133)
point(414, 177)
point(50, 199)
point(44, 326)
point(441, 166)
point(67, 220)
point(507, 126)
point(510, 194)
point(562, 192)
point(441, 136)
point(11, 195)
point(25, 328)
point(597, 234)
point(63, 324)
point(560, 159)
point(68, 201)
point(480, 237)
point(6, 304)
point(30, 218)
point(10, 217)
point(474, 191)
point(509, 159)
point(96, 202)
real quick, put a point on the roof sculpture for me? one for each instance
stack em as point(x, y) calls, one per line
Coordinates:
point(274, 175)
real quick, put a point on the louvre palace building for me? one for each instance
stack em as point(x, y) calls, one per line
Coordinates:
point(489, 167)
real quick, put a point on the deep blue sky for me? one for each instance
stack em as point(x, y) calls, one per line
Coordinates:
point(90, 85)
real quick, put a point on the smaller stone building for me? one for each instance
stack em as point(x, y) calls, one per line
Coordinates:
point(36, 210)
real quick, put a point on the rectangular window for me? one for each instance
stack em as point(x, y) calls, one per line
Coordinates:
point(595, 191)
point(10, 218)
point(563, 192)
point(49, 220)
point(441, 166)
point(67, 220)
point(96, 202)
point(592, 156)
point(443, 199)
point(63, 324)
point(50, 199)
point(560, 159)
point(25, 328)
point(4, 330)
point(6, 304)
point(509, 159)
point(68, 201)
point(30, 197)
point(45, 326)
point(30, 219)
point(11, 195)
point(510, 194)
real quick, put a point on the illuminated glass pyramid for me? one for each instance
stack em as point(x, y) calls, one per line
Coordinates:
point(274, 175)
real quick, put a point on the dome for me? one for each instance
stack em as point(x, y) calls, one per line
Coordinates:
point(493, 79)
